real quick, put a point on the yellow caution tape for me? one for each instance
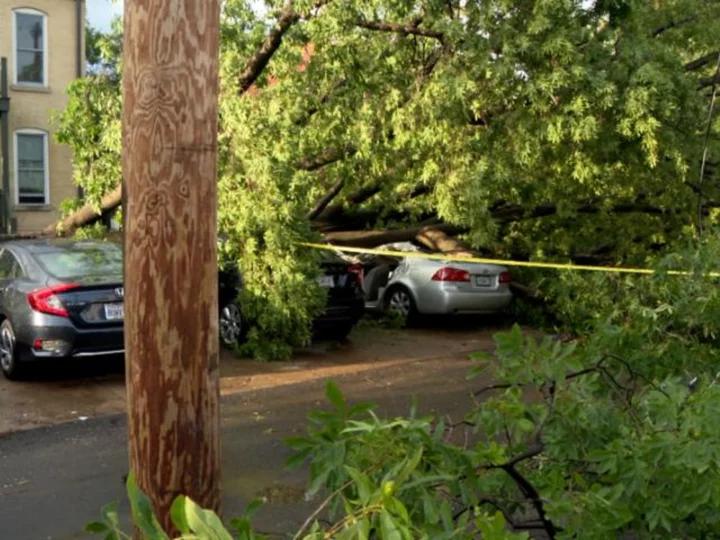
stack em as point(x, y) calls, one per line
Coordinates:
point(503, 262)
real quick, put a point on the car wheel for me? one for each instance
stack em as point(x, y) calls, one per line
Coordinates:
point(11, 367)
point(342, 332)
point(232, 326)
point(400, 303)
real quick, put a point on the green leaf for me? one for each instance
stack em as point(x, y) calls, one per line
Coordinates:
point(362, 482)
point(142, 512)
point(177, 514)
point(298, 443)
point(361, 408)
point(429, 504)
point(389, 529)
point(322, 417)
point(334, 396)
point(252, 508)
point(297, 459)
point(204, 523)
point(317, 483)
point(110, 516)
point(409, 465)
point(525, 425)
point(476, 371)
point(96, 527)
point(240, 525)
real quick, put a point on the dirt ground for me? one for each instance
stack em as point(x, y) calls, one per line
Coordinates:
point(80, 391)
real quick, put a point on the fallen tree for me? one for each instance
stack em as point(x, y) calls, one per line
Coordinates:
point(87, 215)
point(347, 128)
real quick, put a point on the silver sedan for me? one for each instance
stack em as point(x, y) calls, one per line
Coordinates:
point(414, 285)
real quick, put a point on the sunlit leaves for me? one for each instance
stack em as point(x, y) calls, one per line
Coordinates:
point(552, 102)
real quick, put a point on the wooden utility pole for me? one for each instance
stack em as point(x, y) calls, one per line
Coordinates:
point(170, 93)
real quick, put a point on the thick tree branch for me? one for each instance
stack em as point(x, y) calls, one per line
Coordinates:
point(529, 491)
point(526, 488)
point(404, 29)
point(325, 200)
point(380, 237)
point(86, 215)
point(325, 158)
point(258, 61)
point(438, 239)
point(702, 61)
point(334, 211)
point(672, 24)
point(707, 82)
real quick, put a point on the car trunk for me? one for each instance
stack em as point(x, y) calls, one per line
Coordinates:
point(340, 283)
point(96, 302)
point(484, 278)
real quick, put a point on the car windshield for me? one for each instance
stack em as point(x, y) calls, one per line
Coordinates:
point(77, 260)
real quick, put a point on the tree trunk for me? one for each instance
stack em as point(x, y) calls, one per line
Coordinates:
point(170, 93)
point(87, 215)
point(437, 239)
point(371, 239)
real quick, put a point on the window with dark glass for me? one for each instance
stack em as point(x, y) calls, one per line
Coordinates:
point(9, 266)
point(30, 47)
point(31, 168)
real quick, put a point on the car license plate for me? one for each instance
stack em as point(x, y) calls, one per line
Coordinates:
point(114, 312)
point(483, 281)
point(326, 281)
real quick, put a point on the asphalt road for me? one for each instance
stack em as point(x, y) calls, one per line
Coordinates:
point(54, 480)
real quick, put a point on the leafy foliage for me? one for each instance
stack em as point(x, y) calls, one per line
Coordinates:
point(613, 433)
point(610, 434)
point(91, 123)
point(192, 521)
point(542, 128)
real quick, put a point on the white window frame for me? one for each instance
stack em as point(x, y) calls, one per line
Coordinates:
point(28, 11)
point(46, 159)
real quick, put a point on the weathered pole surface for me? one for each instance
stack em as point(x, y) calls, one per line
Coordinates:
point(170, 93)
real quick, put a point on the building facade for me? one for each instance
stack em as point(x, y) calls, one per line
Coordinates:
point(43, 42)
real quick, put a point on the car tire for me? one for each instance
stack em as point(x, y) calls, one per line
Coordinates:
point(11, 367)
point(342, 331)
point(231, 325)
point(400, 303)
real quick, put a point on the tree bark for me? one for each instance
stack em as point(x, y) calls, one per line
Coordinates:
point(371, 239)
point(325, 200)
point(170, 96)
point(333, 211)
point(403, 29)
point(437, 239)
point(259, 61)
point(87, 215)
point(702, 61)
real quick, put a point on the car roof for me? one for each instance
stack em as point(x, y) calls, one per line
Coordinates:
point(54, 245)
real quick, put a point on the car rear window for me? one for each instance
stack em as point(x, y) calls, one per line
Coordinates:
point(82, 260)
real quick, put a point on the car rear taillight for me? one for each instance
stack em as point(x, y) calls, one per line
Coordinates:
point(451, 274)
point(358, 271)
point(46, 300)
point(505, 277)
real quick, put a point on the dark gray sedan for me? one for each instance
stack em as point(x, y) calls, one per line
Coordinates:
point(59, 299)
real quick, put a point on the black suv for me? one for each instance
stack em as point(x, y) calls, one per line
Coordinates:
point(345, 303)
